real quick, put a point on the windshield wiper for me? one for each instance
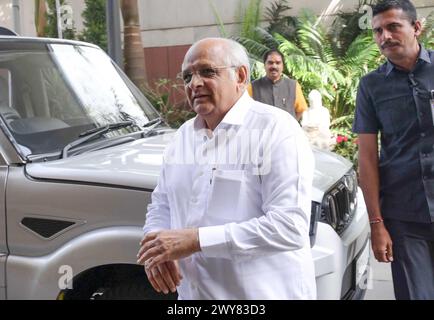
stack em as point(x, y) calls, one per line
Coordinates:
point(111, 126)
point(156, 121)
point(151, 125)
point(95, 132)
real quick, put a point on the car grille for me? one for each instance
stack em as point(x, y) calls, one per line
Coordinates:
point(340, 202)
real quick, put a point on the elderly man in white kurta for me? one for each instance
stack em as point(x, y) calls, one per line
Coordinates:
point(230, 216)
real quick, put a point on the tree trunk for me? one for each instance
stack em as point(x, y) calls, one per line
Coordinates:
point(40, 17)
point(133, 48)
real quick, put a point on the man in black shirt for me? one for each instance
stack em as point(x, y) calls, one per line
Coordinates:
point(396, 100)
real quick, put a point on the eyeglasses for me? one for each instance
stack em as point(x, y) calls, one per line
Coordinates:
point(206, 72)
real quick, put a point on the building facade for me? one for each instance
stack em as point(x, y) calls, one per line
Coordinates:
point(169, 27)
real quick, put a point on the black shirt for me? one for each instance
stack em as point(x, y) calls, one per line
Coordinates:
point(397, 104)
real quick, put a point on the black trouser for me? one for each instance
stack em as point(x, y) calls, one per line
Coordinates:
point(413, 254)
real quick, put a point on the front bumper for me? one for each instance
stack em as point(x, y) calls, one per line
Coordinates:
point(342, 262)
point(356, 276)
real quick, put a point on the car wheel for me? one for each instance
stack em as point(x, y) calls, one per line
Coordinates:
point(131, 290)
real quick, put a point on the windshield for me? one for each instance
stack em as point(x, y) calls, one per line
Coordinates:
point(53, 93)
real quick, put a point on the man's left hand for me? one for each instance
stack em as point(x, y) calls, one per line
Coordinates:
point(164, 277)
point(167, 245)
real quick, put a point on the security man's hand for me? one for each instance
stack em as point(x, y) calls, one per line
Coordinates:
point(381, 243)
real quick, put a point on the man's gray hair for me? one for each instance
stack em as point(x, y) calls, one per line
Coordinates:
point(235, 54)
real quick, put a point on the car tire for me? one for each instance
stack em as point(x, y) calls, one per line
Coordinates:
point(132, 290)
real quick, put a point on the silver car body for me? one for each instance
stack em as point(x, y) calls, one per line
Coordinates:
point(68, 217)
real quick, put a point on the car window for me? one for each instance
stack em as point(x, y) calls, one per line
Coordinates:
point(56, 93)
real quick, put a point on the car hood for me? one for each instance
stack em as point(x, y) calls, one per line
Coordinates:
point(137, 165)
point(329, 168)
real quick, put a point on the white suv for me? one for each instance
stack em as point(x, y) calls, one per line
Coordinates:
point(80, 153)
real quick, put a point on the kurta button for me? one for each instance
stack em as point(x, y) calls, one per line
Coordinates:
point(422, 134)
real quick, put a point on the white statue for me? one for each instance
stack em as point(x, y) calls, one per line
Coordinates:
point(316, 122)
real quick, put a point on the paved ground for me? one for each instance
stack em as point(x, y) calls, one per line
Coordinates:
point(381, 287)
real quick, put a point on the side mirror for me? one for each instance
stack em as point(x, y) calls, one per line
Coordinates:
point(7, 32)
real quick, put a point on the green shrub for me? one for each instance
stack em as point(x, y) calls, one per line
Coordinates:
point(175, 114)
point(94, 16)
point(346, 141)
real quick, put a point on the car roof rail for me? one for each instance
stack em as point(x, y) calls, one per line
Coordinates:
point(7, 32)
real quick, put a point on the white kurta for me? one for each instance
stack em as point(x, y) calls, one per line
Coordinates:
point(247, 187)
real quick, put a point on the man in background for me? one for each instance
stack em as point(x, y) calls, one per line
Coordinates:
point(276, 89)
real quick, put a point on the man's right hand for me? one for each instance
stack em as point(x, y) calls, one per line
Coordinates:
point(164, 277)
point(381, 243)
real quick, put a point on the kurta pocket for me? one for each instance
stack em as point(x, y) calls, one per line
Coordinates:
point(224, 197)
